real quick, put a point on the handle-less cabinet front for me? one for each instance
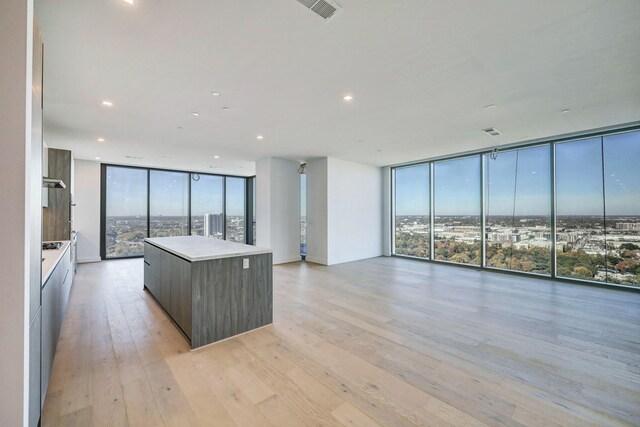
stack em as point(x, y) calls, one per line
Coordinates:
point(55, 295)
point(48, 332)
point(35, 337)
point(168, 278)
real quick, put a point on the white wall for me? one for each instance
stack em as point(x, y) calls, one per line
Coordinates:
point(317, 210)
point(16, 43)
point(87, 211)
point(344, 211)
point(278, 208)
point(354, 211)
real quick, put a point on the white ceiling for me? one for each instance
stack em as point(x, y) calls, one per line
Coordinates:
point(420, 71)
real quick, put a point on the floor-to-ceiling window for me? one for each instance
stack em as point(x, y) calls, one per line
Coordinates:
point(568, 208)
point(207, 205)
point(303, 215)
point(126, 211)
point(141, 202)
point(518, 209)
point(580, 233)
point(168, 203)
point(235, 199)
point(457, 207)
point(412, 219)
point(253, 207)
point(622, 207)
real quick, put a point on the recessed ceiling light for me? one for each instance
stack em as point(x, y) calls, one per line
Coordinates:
point(260, 137)
point(195, 114)
point(347, 98)
point(107, 103)
point(216, 157)
point(226, 108)
point(97, 158)
point(566, 110)
point(490, 106)
point(128, 1)
point(215, 93)
point(100, 139)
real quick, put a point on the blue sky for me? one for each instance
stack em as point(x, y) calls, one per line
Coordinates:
point(206, 195)
point(622, 172)
point(127, 193)
point(578, 180)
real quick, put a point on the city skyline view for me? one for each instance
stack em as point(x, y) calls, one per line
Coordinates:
point(168, 207)
point(597, 207)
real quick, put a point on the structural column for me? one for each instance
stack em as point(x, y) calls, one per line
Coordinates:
point(18, 202)
point(278, 208)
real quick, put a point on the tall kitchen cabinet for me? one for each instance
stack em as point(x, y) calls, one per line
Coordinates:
point(57, 215)
point(35, 234)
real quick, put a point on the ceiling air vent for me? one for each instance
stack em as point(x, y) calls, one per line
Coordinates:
point(491, 131)
point(324, 8)
point(126, 156)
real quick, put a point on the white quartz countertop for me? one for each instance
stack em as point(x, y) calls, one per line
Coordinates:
point(199, 248)
point(51, 258)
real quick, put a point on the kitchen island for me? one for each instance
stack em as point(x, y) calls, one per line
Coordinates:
point(212, 289)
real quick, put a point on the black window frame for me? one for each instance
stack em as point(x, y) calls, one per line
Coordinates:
point(551, 143)
point(103, 202)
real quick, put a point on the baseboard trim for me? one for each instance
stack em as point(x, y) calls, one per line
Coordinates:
point(316, 261)
point(293, 258)
point(88, 260)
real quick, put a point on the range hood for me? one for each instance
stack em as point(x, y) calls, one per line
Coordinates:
point(52, 183)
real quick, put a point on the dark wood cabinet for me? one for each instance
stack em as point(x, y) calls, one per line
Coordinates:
point(213, 299)
point(57, 215)
point(168, 278)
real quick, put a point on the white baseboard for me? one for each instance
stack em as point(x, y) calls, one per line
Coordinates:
point(316, 261)
point(292, 258)
point(87, 260)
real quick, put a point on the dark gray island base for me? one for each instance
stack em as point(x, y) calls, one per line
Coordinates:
point(212, 289)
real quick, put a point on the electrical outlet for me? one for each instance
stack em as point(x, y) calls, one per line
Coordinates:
point(245, 263)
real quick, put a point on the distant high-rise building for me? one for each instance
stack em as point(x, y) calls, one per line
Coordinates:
point(213, 224)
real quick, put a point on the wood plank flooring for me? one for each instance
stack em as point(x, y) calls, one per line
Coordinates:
point(384, 341)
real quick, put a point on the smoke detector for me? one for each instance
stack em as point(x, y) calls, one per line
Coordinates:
point(492, 131)
point(323, 8)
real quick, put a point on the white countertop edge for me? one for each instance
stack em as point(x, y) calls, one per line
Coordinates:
point(254, 250)
point(47, 265)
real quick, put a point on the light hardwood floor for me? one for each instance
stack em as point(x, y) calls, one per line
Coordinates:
point(385, 341)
